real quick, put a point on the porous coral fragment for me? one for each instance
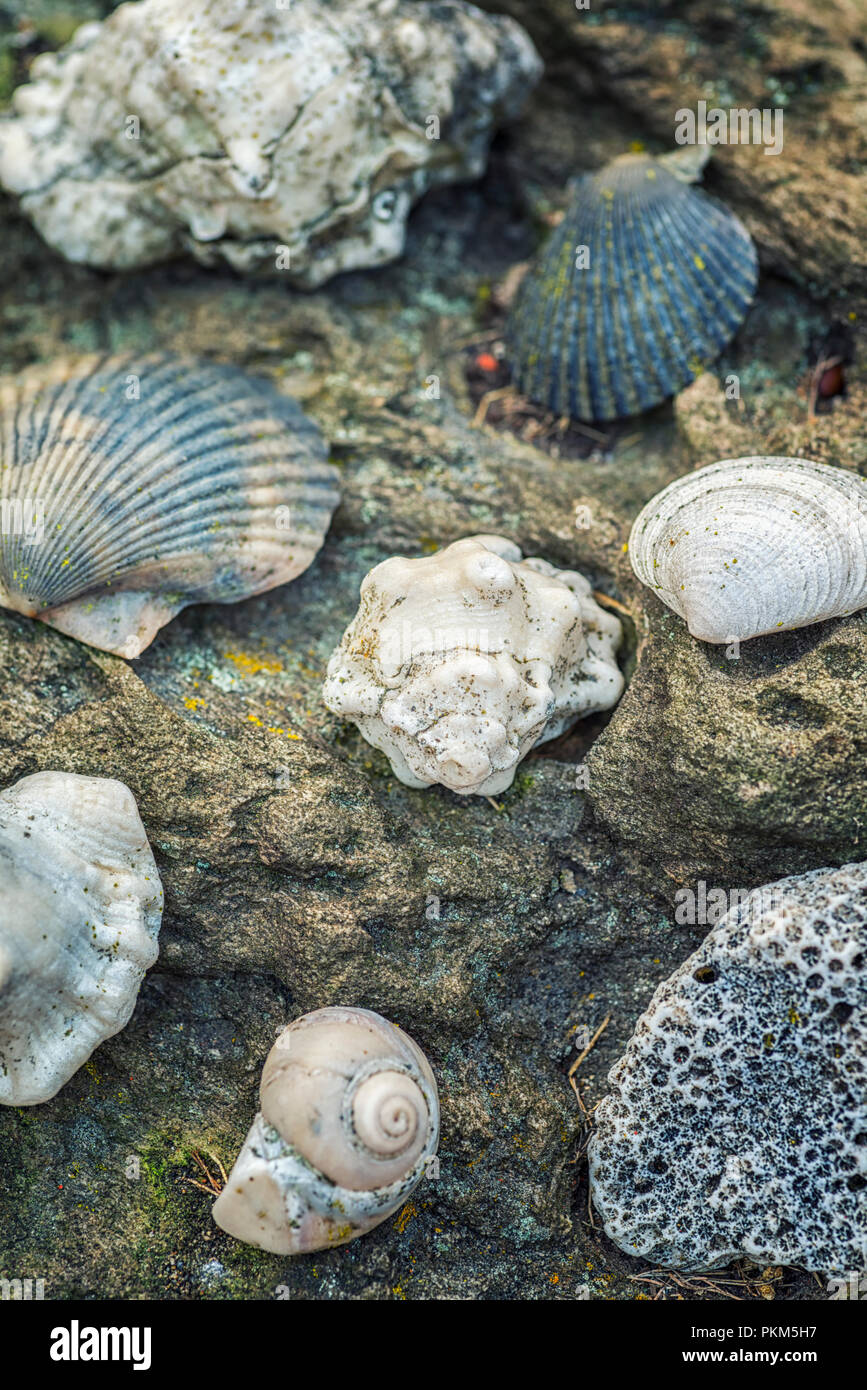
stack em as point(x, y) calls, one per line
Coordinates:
point(738, 1119)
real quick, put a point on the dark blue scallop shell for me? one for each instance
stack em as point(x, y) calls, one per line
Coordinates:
point(668, 278)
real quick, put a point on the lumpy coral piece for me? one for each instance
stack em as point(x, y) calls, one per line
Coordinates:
point(738, 1119)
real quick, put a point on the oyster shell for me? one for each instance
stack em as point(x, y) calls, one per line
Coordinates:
point(457, 664)
point(640, 286)
point(349, 1122)
point(79, 916)
point(288, 137)
point(755, 545)
point(133, 486)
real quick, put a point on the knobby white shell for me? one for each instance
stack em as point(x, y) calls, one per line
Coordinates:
point(133, 486)
point(458, 663)
point(349, 1120)
point(289, 137)
point(755, 545)
point(80, 910)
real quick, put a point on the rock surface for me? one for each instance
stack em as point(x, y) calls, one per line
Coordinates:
point(299, 873)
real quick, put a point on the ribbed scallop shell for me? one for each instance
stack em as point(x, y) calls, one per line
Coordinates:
point(755, 545)
point(80, 910)
point(349, 1120)
point(162, 481)
point(670, 276)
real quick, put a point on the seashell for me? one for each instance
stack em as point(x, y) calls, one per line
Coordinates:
point(292, 138)
point(755, 545)
point(457, 664)
point(736, 1125)
point(131, 487)
point(640, 286)
point(79, 917)
point(348, 1124)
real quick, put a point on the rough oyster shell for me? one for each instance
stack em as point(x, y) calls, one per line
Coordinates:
point(457, 664)
point(133, 486)
point(79, 915)
point(755, 545)
point(243, 131)
point(349, 1121)
point(663, 280)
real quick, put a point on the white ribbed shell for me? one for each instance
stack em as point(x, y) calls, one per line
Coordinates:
point(80, 910)
point(755, 545)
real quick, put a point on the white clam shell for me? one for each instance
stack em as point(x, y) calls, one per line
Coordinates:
point(79, 915)
point(755, 545)
point(133, 486)
point(291, 138)
point(349, 1120)
point(458, 663)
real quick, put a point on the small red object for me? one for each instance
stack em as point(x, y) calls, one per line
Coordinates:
point(832, 381)
point(487, 362)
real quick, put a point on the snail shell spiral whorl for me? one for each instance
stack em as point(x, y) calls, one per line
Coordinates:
point(349, 1119)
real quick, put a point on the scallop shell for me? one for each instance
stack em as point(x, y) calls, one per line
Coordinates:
point(348, 1125)
point(133, 486)
point(457, 664)
point(755, 545)
point(668, 278)
point(79, 916)
point(284, 136)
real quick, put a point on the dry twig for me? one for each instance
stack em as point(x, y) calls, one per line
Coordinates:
point(212, 1186)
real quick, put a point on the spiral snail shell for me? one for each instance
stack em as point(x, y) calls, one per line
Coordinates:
point(349, 1119)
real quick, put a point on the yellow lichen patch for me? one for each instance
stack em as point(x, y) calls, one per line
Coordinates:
point(404, 1216)
point(272, 728)
point(253, 665)
point(340, 1234)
